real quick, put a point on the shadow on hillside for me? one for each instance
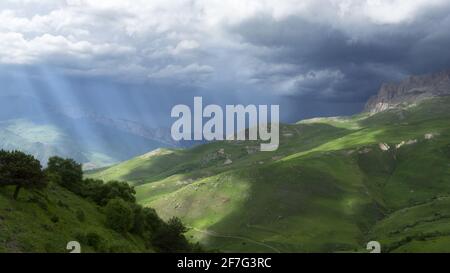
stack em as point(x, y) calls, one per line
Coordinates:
point(198, 162)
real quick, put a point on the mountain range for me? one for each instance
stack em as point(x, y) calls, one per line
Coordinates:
point(410, 91)
point(333, 185)
point(43, 130)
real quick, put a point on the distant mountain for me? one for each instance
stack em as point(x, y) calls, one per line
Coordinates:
point(412, 90)
point(158, 134)
point(39, 128)
point(39, 139)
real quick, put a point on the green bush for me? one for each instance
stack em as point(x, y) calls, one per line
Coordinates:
point(69, 171)
point(94, 240)
point(101, 192)
point(169, 237)
point(119, 215)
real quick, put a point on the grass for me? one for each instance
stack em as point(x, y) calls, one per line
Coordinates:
point(47, 221)
point(328, 188)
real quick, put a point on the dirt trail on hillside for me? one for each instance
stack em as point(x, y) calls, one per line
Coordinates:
point(215, 234)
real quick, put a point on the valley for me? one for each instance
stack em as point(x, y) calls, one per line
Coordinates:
point(333, 185)
point(222, 132)
point(43, 130)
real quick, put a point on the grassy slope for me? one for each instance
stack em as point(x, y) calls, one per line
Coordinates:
point(330, 187)
point(28, 224)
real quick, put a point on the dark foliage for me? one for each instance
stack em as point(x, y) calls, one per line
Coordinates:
point(118, 200)
point(169, 237)
point(20, 170)
point(69, 171)
point(101, 192)
point(119, 215)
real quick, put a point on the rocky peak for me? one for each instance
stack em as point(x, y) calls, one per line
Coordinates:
point(409, 91)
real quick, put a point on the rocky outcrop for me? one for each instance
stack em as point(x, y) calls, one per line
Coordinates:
point(384, 147)
point(410, 91)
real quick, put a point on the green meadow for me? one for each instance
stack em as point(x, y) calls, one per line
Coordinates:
point(46, 221)
point(332, 186)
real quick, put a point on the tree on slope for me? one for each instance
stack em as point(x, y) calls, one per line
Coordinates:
point(70, 172)
point(20, 170)
point(119, 215)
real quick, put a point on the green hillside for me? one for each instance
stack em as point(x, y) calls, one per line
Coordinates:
point(47, 221)
point(42, 210)
point(333, 185)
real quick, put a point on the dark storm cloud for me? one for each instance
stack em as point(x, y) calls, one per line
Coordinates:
point(140, 58)
point(366, 54)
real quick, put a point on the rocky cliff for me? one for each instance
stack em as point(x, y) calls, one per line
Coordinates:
point(409, 91)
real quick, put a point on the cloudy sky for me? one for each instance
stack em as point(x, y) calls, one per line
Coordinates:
point(136, 59)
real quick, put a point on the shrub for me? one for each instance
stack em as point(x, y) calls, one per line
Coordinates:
point(139, 225)
point(169, 237)
point(69, 171)
point(116, 189)
point(94, 240)
point(101, 193)
point(119, 215)
point(176, 226)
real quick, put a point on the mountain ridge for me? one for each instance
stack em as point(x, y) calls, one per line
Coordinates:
point(37, 127)
point(410, 90)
